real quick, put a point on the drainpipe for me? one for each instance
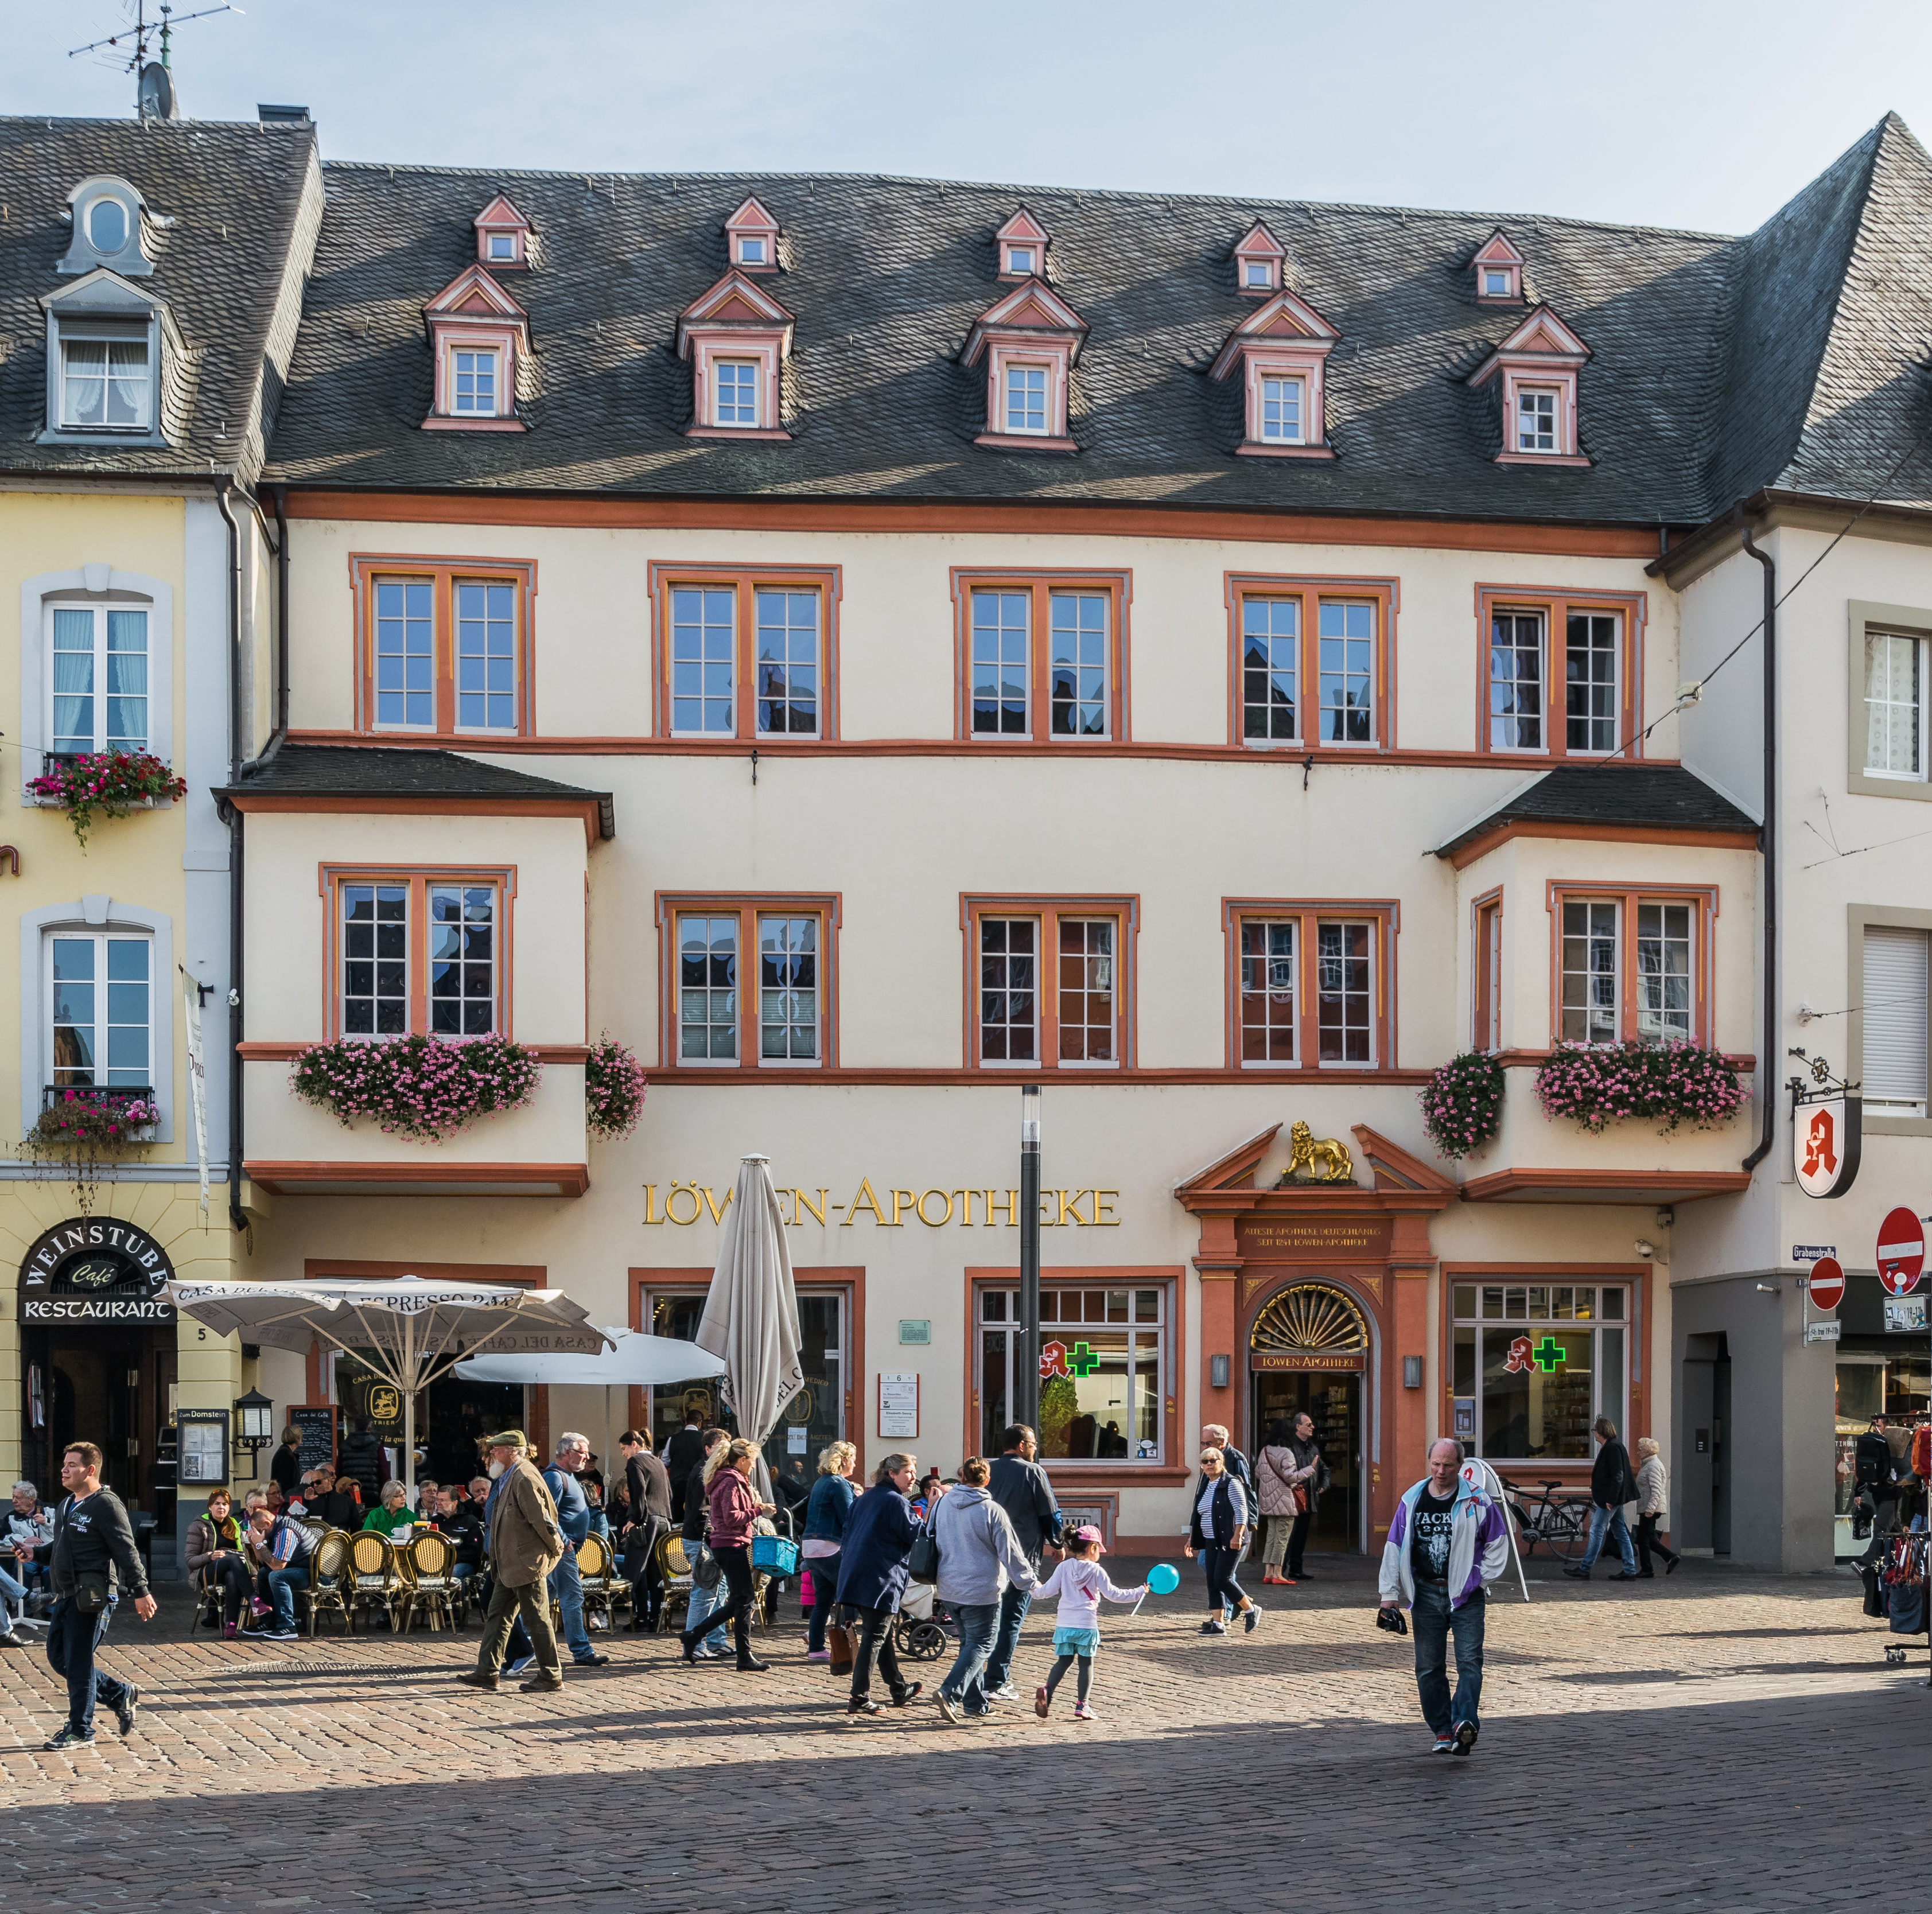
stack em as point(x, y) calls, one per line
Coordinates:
point(223, 485)
point(1766, 1059)
point(281, 493)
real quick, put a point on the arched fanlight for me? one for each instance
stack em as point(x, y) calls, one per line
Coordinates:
point(1310, 1315)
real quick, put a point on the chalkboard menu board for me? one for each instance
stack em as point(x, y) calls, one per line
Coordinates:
point(318, 1436)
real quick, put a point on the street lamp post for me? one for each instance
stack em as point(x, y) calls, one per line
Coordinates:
point(1026, 1357)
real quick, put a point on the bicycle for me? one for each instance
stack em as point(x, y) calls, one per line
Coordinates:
point(1563, 1526)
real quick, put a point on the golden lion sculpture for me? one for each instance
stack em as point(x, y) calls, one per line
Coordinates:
point(1309, 1150)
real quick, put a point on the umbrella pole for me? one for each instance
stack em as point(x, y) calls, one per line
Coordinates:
point(407, 1368)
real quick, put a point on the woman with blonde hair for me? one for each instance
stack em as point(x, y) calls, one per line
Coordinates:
point(733, 1508)
point(1653, 1489)
point(827, 1510)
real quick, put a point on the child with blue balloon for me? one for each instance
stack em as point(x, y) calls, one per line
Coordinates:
point(1082, 1585)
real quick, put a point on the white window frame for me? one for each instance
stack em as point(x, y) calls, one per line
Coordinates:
point(99, 610)
point(1316, 993)
point(1915, 702)
point(736, 1024)
point(1495, 282)
point(1265, 961)
point(1590, 934)
point(103, 1024)
point(736, 367)
point(404, 582)
point(375, 885)
point(461, 888)
point(500, 248)
point(1257, 275)
point(1015, 249)
point(1000, 630)
point(1041, 980)
point(1013, 370)
point(457, 587)
point(815, 920)
point(1321, 707)
point(1271, 434)
point(759, 594)
point(459, 407)
point(97, 584)
point(1539, 403)
point(703, 628)
point(751, 249)
point(1275, 642)
point(1590, 719)
point(76, 333)
point(1081, 633)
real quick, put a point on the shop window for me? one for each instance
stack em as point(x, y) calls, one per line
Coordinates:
point(1042, 658)
point(1106, 1360)
point(419, 953)
point(1312, 661)
point(98, 679)
point(99, 990)
point(1533, 1364)
point(1310, 985)
point(1632, 967)
point(749, 982)
point(1050, 984)
point(446, 649)
point(1581, 702)
point(722, 631)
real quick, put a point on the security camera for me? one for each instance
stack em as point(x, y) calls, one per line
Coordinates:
point(1666, 1218)
point(1645, 1250)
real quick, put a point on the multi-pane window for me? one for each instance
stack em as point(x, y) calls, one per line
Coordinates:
point(101, 1022)
point(1103, 1359)
point(1078, 647)
point(1000, 666)
point(704, 634)
point(1008, 990)
point(462, 959)
point(1086, 991)
point(1026, 398)
point(1281, 411)
point(1515, 681)
point(1894, 668)
point(375, 959)
point(1535, 420)
point(1663, 1005)
point(1533, 1364)
point(1271, 667)
point(707, 961)
point(1594, 639)
point(1268, 993)
point(405, 653)
point(787, 661)
point(1347, 646)
point(1344, 1004)
point(788, 989)
point(473, 382)
point(486, 657)
point(98, 686)
point(1591, 1013)
point(736, 384)
point(105, 384)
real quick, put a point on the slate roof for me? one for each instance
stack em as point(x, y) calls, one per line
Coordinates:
point(321, 770)
point(1719, 365)
point(244, 201)
point(1643, 796)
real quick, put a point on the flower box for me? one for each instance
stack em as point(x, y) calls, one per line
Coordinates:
point(113, 783)
point(1677, 1086)
point(426, 1087)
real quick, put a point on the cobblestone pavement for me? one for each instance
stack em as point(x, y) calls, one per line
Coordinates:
point(1719, 1740)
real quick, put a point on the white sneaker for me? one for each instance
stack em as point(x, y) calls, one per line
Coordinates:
point(1006, 1691)
point(522, 1667)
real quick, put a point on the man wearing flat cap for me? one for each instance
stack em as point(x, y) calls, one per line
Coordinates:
point(525, 1543)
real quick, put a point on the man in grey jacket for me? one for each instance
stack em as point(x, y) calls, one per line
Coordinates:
point(978, 1553)
point(1020, 1486)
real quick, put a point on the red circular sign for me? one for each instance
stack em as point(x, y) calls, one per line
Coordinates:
point(1901, 1252)
point(1827, 1283)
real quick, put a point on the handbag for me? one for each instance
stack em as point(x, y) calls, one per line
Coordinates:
point(923, 1559)
point(707, 1572)
point(838, 1640)
point(1300, 1499)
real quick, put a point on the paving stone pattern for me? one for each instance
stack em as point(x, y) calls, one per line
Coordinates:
point(1716, 1741)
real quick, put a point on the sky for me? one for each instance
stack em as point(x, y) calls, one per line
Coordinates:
point(1699, 114)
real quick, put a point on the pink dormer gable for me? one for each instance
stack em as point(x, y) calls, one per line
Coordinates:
point(1258, 263)
point(503, 236)
point(751, 239)
point(1536, 367)
point(1023, 242)
point(1281, 350)
point(477, 335)
point(737, 337)
point(1498, 269)
point(1027, 341)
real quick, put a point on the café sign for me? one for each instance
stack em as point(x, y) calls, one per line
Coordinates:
point(95, 1269)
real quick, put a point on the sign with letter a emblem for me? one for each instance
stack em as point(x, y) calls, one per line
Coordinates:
point(1824, 1142)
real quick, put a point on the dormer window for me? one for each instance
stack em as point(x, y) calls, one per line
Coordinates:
point(1498, 270)
point(502, 235)
point(1537, 367)
point(737, 338)
point(475, 385)
point(1026, 398)
point(1259, 260)
point(751, 239)
point(1283, 410)
point(104, 384)
point(107, 344)
point(106, 212)
point(1281, 350)
point(1019, 259)
point(1022, 242)
point(1496, 283)
point(476, 331)
point(737, 392)
point(1027, 342)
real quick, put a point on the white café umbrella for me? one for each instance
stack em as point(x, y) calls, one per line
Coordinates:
point(751, 1314)
point(410, 1332)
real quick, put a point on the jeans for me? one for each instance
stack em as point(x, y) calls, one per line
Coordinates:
point(282, 1584)
point(978, 1623)
point(736, 1609)
point(1648, 1544)
point(73, 1640)
point(566, 1585)
point(824, 1570)
point(1224, 1592)
point(11, 1590)
point(1610, 1520)
point(1014, 1604)
point(1433, 1624)
point(875, 1642)
point(703, 1601)
point(530, 1605)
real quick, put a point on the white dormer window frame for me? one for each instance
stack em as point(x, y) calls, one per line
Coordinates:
point(1019, 367)
point(751, 239)
point(503, 236)
point(734, 393)
point(1496, 282)
point(1022, 261)
point(752, 248)
point(1281, 350)
point(106, 373)
point(1283, 405)
point(734, 325)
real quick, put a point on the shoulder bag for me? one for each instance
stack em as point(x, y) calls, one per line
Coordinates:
point(923, 1559)
point(705, 1571)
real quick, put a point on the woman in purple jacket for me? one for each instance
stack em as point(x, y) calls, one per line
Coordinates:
point(733, 1510)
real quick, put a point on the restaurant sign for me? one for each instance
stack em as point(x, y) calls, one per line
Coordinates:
point(95, 1269)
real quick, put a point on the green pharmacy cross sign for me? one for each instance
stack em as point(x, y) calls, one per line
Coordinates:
point(1082, 1359)
point(1548, 1355)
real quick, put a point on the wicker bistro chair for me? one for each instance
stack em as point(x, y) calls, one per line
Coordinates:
point(329, 1567)
point(672, 1569)
point(375, 1581)
point(604, 1590)
point(429, 1570)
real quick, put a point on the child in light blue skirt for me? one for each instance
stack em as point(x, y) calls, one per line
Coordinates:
point(1081, 1585)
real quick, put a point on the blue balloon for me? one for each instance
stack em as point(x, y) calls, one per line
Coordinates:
point(1163, 1578)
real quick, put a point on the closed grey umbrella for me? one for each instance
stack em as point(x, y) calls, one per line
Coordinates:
point(750, 1315)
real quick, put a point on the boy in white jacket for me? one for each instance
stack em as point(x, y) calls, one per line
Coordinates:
point(1081, 1585)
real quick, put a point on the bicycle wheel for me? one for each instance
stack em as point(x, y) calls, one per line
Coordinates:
point(1566, 1528)
point(1528, 1534)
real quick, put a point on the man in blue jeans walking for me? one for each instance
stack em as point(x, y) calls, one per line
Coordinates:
point(573, 1517)
point(1612, 1485)
point(1019, 1485)
point(1446, 1542)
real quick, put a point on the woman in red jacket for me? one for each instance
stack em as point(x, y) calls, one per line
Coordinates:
point(733, 1509)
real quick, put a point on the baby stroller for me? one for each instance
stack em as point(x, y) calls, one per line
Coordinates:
point(916, 1635)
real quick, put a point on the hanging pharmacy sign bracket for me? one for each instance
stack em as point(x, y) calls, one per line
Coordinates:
point(1827, 1128)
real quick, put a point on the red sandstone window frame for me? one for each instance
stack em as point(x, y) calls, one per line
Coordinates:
point(1555, 608)
point(1384, 914)
point(1485, 965)
point(747, 907)
point(1702, 900)
point(1047, 911)
point(1311, 592)
point(1040, 585)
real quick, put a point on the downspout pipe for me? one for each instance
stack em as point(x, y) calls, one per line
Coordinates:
point(1767, 1058)
point(223, 485)
point(280, 495)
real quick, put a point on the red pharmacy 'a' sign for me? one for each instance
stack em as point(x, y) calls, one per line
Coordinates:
point(1901, 1252)
point(1827, 1283)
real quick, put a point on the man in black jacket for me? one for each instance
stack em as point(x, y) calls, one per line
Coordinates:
point(323, 1502)
point(648, 1493)
point(1877, 1473)
point(360, 1455)
point(1018, 1486)
point(1612, 1485)
point(683, 1453)
point(93, 1546)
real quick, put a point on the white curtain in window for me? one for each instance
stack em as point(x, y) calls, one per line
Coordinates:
point(1891, 704)
point(1895, 980)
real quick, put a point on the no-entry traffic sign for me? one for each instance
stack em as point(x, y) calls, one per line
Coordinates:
point(1827, 1283)
point(1901, 1252)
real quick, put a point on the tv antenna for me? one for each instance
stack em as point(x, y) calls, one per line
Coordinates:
point(155, 97)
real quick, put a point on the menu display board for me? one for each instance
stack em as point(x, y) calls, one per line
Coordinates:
point(202, 1446)
point(317, 1424)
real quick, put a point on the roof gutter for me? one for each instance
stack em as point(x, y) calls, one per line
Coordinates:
point(237, 1218)
point(1768, 1053)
